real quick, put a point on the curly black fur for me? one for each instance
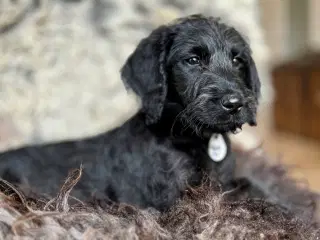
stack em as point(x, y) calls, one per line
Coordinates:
point(185, 73)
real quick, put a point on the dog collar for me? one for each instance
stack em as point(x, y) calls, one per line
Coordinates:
point(217, 147)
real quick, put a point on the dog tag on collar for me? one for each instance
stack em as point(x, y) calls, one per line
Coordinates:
point(217, 148)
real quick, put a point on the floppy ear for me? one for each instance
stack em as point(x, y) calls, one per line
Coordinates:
point(144, 72)
point(253, 78)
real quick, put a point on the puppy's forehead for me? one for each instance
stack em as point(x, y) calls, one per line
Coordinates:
point(209, 35)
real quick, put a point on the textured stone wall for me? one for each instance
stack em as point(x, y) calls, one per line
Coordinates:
point(60, 60)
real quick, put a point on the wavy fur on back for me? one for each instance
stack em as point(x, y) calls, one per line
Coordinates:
point(202, 213)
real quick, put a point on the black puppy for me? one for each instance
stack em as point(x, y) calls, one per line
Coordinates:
point(195, 77)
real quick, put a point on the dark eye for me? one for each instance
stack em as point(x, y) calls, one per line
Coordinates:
point(193, 60)
point(237, 62)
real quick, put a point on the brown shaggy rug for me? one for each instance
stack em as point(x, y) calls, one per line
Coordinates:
point(289, 212)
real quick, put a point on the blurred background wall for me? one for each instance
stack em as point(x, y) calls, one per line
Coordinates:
point(289, 124)
point(60, 61)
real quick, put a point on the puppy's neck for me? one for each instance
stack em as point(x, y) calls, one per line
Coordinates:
point(170, 124)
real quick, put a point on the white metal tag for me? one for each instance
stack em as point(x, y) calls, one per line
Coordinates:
point(217, 148)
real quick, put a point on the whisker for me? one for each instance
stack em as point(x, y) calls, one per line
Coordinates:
point(175, 120)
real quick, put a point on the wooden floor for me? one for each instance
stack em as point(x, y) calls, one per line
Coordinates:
point(303, 153)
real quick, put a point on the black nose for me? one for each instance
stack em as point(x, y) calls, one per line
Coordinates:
point(232, 103)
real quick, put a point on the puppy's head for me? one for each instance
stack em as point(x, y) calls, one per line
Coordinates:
point(201, 64)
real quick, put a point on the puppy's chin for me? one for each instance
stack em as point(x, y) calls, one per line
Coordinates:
point(206, 130)
point(232, 125)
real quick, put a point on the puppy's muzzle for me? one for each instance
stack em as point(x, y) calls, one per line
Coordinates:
point(232, 104)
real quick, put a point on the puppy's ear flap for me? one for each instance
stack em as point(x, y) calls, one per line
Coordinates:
point(254, 80)
point(144, 72)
